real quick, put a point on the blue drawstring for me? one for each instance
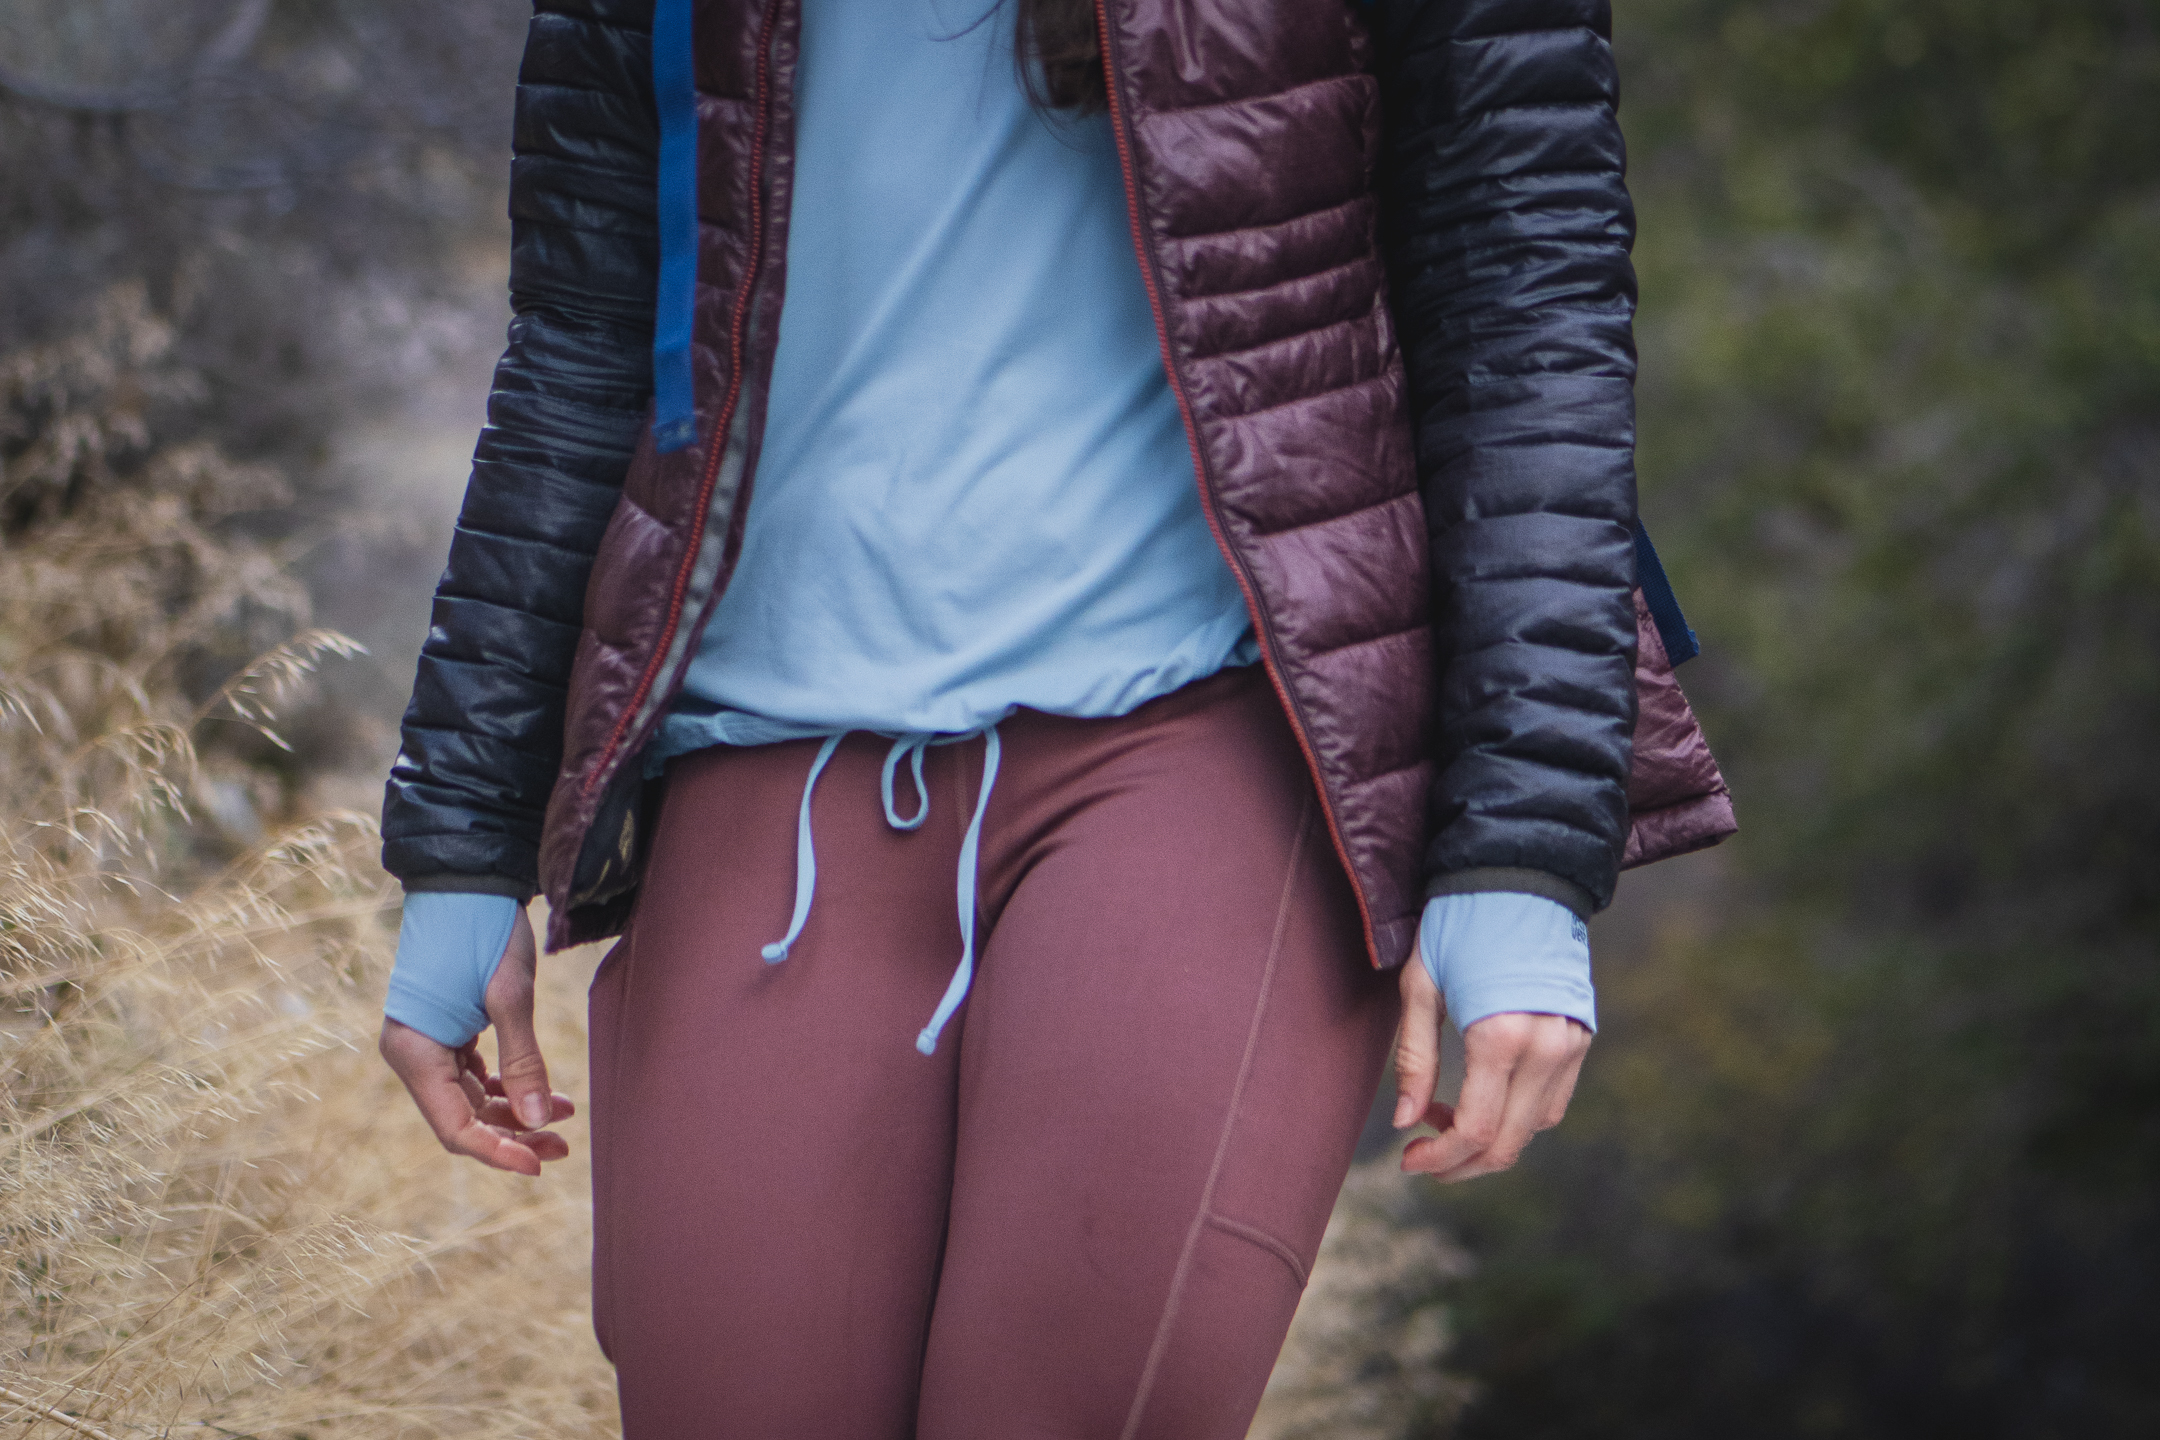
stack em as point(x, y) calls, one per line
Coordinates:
point(970, 848)
point(909, 748)
point(912, 746)
point(805, 857)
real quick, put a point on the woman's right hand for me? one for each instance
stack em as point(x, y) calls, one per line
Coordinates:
point(1519, 1072)
point(497, 1119)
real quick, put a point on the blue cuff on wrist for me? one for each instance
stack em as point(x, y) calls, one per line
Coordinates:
point(449, 945)
point(1500, 952)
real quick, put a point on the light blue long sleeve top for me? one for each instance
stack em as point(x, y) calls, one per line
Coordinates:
point(975, 491)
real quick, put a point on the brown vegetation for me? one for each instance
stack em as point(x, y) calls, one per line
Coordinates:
point(218, 1214)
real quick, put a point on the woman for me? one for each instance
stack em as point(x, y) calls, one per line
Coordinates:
point(1124, 663)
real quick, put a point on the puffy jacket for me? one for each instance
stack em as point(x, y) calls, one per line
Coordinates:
point(1434, 534)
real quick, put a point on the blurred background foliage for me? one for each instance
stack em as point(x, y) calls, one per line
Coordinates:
point(240, 243)
point(1870, 1140)
point(268, 228)
point(1868, 1143)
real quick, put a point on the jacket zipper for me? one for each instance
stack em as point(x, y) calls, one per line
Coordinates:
point(716, 442)
point(1207, 493)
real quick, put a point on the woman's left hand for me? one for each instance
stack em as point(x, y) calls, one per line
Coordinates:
point(1519, 1074)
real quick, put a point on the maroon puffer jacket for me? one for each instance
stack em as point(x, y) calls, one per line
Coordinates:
point(1250, 131)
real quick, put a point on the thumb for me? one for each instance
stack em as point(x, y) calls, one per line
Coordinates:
point(517, 1047)
point(1417, 1044)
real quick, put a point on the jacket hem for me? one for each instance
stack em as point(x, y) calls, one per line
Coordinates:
point(447, 882)
point(1520, 880)
point(1680, 829)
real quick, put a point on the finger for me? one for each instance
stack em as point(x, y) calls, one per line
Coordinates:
point(1538, 1061)
point(1562, 1089)
point(1475, 1120)
point(497, 1112)
point(521, 1151)
point(1510, 1060)
point(545, 1145)
point(473, 1076)
point(500, 1149)
point(476, 1091)
point(435, 1077)
point(523, 1070)
point(1417, 1044)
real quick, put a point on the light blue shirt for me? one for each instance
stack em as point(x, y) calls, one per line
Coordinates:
point(975, 491)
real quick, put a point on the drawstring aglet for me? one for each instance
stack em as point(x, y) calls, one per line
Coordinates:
point(964, 898)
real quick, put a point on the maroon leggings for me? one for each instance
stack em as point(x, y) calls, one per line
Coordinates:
point(1091, 1212)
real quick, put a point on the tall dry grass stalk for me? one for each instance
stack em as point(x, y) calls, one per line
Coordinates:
point(219, 1216)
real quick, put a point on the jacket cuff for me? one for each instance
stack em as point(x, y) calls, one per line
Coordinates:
point(1519, 880)
point(447, 882)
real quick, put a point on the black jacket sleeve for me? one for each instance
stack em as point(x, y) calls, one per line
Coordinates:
point(1507, 228)
point(483, 735)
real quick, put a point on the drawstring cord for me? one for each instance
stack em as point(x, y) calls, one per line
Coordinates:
point(970, 849)
point(805, 857)
point(912, 746)
point(909, 748)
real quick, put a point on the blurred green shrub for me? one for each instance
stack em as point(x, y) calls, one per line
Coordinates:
point(1870, 1148)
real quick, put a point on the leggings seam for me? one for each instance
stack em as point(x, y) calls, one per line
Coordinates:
point(1201, 1215)
point(606, 1236)
point(1254, 1235)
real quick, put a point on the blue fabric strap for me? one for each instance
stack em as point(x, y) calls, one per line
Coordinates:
point(1672, 627)
point(675, 96)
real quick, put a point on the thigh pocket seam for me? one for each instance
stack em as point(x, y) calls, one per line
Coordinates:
point(1205, 1211)
point(1255, 1236)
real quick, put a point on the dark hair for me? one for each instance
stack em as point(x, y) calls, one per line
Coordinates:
point(1059, 52)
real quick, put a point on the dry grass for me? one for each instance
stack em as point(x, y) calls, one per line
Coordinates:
point(219, 1214)
point(222, 1217)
